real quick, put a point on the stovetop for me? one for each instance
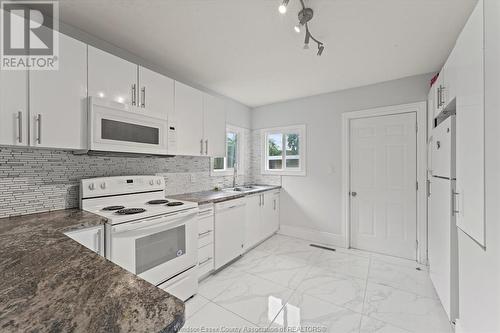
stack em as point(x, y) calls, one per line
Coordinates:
point(130, 198)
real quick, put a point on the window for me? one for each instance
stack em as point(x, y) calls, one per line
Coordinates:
point(234, 153)
point(284, 150)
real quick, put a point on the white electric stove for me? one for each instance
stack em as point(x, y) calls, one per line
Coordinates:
point(149, 235)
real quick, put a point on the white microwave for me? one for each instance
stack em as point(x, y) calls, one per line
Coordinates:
point(113, 128)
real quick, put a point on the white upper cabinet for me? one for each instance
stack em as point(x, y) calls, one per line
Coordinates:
point(111, 77)
point(58, 106)
point(188, 121)
point(214, 126)
point(13, 108)
point(155, 93)
point(470, 127)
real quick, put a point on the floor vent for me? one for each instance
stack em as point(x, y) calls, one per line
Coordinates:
point(323, 247)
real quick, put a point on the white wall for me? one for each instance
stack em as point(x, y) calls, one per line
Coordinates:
point(311, 205)
point(479, 276)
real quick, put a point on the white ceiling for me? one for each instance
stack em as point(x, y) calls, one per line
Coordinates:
point(246, 50)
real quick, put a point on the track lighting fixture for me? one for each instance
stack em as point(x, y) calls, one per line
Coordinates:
point(305, 15)
point(282, 7)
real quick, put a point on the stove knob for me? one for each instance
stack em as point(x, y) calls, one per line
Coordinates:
point(158, 182)
point(151, 182)
point(91, 186)
point(103, 186)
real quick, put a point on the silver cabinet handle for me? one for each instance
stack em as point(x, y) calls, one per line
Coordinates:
point(205, 261)
point(20, 126)
point(204, 233)
point(263, 200)
point(206, 147)
point(143, 97)
point(39, 122)
point(133, 94)
point(201, 147)
point(454, 209)
point(274, 204)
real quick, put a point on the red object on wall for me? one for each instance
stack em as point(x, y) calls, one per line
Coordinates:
point(434, 79)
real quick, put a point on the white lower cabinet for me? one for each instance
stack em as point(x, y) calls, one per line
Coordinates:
point(92, 238)
point(229, 231)
point(205, 240)
point(261, 217)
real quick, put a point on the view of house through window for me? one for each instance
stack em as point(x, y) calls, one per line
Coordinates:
point(283, 150)
point(227, 163)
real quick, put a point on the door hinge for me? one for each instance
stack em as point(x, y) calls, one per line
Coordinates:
point(416, 244)
point(416, 185)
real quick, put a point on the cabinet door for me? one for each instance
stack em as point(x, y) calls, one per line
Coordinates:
point(188, 120)
point(58, 104)
point(470, 127)
point(214, 126)
point(431, 101)
point(13, 107)
point(252, 221)
point(156, 93)
point(270, 213)
point(111, 77)
point(91, 238)
point(450, 78)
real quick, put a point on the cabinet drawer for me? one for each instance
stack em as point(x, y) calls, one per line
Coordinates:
point(205, 238)
point(205, 252)
point(205, 224)
point(205, 267)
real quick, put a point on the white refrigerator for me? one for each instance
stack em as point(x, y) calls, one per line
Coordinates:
point(443, 243)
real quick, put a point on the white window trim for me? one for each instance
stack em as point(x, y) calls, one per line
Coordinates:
point(240, 132)
point(301, 129)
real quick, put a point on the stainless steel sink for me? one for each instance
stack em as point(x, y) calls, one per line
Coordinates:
point(242, 188)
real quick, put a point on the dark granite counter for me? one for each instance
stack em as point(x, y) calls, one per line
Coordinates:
point(50, 283)
point(220, 196)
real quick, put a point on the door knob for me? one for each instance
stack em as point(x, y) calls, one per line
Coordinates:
point(354, 194)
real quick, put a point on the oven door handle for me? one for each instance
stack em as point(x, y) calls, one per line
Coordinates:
point(163, 222)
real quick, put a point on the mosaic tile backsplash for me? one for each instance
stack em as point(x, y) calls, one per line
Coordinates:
point(36, 180)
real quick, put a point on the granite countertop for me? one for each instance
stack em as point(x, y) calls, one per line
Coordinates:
point(220, 196)
point(48, 282)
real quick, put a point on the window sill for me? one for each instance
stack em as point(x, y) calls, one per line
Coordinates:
point(224, 173)
point(283, 173)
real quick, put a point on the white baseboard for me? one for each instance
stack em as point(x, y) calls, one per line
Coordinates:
point(312, 235)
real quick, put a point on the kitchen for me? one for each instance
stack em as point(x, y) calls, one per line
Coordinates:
point(151, 184)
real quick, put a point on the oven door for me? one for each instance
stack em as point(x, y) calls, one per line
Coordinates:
point(113, 128)
point(156, 248)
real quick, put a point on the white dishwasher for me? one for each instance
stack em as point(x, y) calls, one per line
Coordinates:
point(229, 231)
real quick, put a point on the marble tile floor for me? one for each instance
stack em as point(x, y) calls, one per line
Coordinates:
point(284, 285)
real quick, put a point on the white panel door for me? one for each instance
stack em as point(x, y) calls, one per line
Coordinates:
point(189, 120)
point(470, 127)
point(111, 77)
point(13, 108)
point(156, 94)
point(214, 126)
point(383, 184)
point(58, 103)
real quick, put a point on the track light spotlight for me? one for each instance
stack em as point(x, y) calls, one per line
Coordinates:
point(321, 47)
point(282, 7)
